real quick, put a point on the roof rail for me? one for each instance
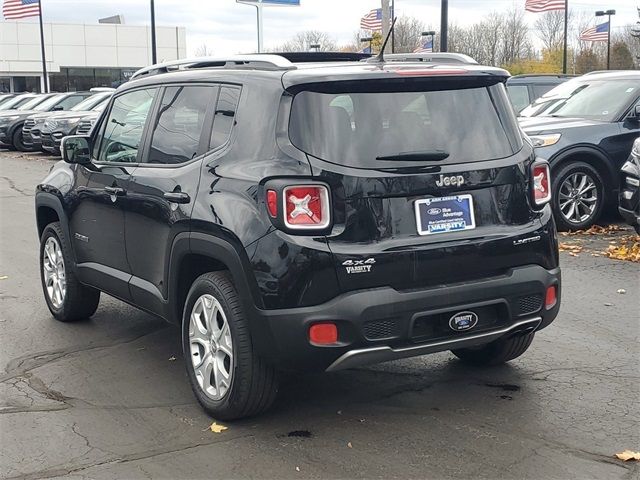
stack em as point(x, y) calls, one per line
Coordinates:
point(438, 57)
point(259, 62)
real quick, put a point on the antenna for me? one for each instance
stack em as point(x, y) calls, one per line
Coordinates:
point(380, 57)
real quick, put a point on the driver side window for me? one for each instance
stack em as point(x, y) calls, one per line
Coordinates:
point(124, 125)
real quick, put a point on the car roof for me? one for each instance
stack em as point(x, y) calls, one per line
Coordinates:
point(279, 68)
point(611, 75)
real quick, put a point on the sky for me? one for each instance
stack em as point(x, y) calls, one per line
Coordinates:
point(228, 27)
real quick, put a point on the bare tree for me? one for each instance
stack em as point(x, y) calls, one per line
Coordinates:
point(550, 28)
point(203, 51)
point(303, 41)
point(408, 33)
point(515, 41)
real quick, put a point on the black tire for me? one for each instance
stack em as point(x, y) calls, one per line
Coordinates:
point(17, 141)
point(80, 301)
point(559, 177)
point(497, 352)
point(254, 383)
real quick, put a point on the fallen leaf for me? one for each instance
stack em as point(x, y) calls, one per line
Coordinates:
point(215, 428)
point(339, 412)
point(172, 359)
point(297, 469)
point(4, 277)
point(628, 455)
point(349, 445)
point(622, 291)
point(627, 249)
point(608, 304)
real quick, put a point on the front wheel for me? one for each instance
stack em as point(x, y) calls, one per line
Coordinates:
point(578, 196)
point(227, 377)
point(496, 352)
point(18, 141)
point(68, 300)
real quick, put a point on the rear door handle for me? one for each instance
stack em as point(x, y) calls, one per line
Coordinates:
point(117, 191)
point(177, 197)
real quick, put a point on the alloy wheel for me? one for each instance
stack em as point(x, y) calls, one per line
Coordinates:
point(54, 273)
point(211, 347)
point(578, 198)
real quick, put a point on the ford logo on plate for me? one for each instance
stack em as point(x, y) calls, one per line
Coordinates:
point(434, 211)
point(463, 321)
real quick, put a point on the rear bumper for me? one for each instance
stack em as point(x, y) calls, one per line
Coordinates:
point(383, 324)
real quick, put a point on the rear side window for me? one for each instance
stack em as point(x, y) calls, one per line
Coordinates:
point(224, 118)
point(123, 127)
point(355, 129)
point(519, 96)
point(177, 129)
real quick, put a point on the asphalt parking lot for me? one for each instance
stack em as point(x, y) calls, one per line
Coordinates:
point(109, 397)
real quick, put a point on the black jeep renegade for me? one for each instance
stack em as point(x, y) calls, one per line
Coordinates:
point(306, 216)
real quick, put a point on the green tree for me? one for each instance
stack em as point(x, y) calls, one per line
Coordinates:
point(587, 61)
point(621, 58)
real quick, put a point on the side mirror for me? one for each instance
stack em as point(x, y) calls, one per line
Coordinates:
point(57, 108)
point(76, 149)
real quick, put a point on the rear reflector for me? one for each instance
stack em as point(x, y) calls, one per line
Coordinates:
point(551, 297)
point(541, 183)
point(306, 207)
point(272, 203)
point(323, 333)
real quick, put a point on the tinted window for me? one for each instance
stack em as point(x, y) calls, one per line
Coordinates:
point(70, 102)
point(123, 127)
point(540, 90)
point(225, 115)
point(178, 126)
point(519, 96)
point(468, 125)
point(15, 102)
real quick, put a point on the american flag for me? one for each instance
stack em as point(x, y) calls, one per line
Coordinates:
point(537, 6)
point(12, 9)
point(425, 47)
point(599, 33)
point(372, 20)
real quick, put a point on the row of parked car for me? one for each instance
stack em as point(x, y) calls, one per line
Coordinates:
point(32, 122)
point(584, 126)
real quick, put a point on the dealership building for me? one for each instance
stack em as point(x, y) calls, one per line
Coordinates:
point(80, 56)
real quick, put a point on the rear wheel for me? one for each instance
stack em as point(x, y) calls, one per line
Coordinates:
point(229, 380)
point(494, 353)
point(68, 300)
point(578, 196)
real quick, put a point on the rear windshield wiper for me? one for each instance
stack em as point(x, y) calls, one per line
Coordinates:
point(426, 156)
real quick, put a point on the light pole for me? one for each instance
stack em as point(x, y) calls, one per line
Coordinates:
point(370, 40)
point(444, 25)
point(431, 34)
point(602, 13)
point(154, 56)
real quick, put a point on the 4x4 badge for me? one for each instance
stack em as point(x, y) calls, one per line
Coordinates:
point(359, 266)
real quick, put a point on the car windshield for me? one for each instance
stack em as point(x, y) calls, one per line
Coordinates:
point(383, 128)
point(49, 103)
point(31, 104)
point(90, 102)
point(101, 106)
point(15, 102)
point(594, 99)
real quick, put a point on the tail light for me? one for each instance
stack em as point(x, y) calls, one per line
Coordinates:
point(551, 297)
point(306, 207)
point(541, 183)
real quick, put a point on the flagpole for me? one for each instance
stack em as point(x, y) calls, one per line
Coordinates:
point(45, 78)
point(566, 21)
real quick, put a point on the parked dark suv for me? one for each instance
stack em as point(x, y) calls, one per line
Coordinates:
point(306, 216)
point(585, 128)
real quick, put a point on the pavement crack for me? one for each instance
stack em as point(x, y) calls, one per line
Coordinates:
point(69, 470)
point(13, 187)
point(21, 365)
